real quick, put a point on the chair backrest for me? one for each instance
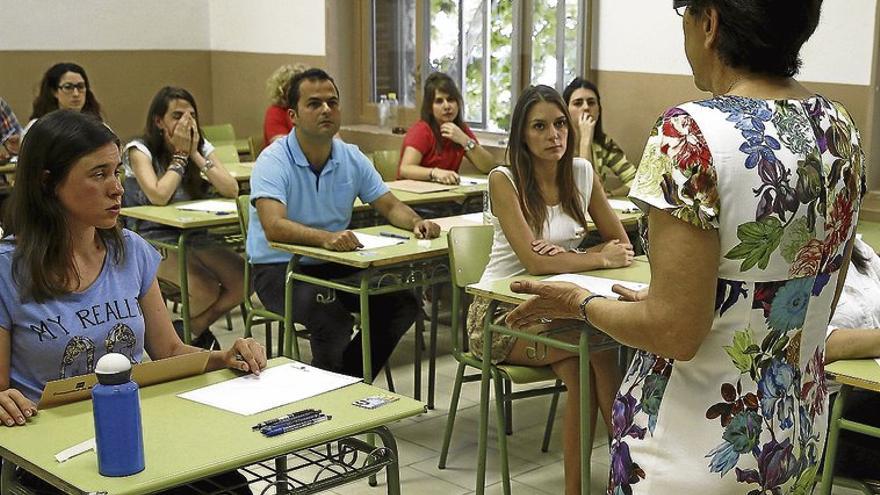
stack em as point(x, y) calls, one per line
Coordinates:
point(227, 153)
point(385, 162)
point(242, 204)
point(469, 249)
point(219, 133)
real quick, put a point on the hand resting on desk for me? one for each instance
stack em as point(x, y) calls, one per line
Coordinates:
point(15, 408)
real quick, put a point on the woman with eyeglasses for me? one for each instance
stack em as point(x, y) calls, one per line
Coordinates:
point(751, 198)
point(615, 172)
point(64, 86)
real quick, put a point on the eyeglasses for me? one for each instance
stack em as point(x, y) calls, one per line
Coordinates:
point(680, 6)
point(70, 87)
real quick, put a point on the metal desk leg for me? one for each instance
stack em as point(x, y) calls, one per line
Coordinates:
point(585, 440)
point(420, 340)
point(432, 346)
point(281, 475)
point(366, 346)
point(482, 439)
point(833, 437)
point(392, 471)
point(184, 287)
point(291, 344)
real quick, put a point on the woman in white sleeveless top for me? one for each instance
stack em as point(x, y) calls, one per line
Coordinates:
point(539, 208)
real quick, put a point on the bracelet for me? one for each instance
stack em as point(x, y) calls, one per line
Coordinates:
point(177, 168)
point(584, 306)
point(183, 155)
point(208, 165)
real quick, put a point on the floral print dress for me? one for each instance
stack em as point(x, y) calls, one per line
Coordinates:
point(781, 181)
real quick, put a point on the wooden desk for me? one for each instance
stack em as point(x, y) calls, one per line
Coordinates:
point(187, 223)
point(414, 264)
point(185, 441)
point(857, 373)
point(241, 171)
point(870, 233)
point(499, 291)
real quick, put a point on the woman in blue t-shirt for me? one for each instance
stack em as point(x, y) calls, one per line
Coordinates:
point(73, 284)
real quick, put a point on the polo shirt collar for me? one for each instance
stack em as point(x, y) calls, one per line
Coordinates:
point(299, 158)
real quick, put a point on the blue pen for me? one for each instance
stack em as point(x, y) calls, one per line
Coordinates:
point(292, 421)
point(223, 213)
point(278, 430)
point(393, 235)
point(287, 417)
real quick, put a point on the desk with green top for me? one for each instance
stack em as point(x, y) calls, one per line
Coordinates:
point(870, 232)
point(185, 441)
point(499, 292)
point(856, 373)
point(240, 171)
point(186, 223)
point(414, 264)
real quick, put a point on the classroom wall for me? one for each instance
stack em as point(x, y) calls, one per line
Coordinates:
point(221, 50)
point(639, 64)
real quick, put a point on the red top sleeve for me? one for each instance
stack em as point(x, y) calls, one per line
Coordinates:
point(277, 122)
point(446, 156)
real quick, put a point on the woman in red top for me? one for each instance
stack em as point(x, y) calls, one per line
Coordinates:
point(433, 147)
point(277, 122)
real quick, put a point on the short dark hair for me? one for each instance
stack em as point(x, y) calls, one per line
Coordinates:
point(312, 74)
point(762, 36)
point(578, 83)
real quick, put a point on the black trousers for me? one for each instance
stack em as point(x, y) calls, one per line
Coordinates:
point(328, 317)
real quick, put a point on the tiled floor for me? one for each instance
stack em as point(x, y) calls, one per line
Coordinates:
point(420, 438)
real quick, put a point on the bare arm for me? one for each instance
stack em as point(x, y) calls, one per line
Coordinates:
point(675, 315)
point(603, 215)
point(279, 228)
point(852, 343)
point(161, 341)
point(410, 165)
point(521, 237)
point(402, 216)
point(217, 175)
point(159, 190)
point(15, 408)
point(481, 158)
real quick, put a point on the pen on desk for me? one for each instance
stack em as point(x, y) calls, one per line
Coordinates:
point(395, 236)
point(223, 213)
point(286, 417)
point(289, 421)
point(271, 432)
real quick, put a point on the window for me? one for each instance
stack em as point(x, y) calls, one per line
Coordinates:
point(491, 48)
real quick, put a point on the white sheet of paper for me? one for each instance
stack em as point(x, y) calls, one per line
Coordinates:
point(80, 448)
point(596, 285)
point(210, 206)
point(877, 361)
point(274, 387)
point(623, 205)
point(370, 241)
point(473, 181)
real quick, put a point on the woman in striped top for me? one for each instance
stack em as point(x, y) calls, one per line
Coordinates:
point(585, 106)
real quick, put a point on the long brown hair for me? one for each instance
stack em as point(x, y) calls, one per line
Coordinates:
point(154, 138)
point(46, 101)
point(43, 265)
point(531, 202)
point(442, 82)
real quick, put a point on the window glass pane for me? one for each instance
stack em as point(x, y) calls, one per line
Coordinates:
point(473, 11)
point(544, 42)
point(570, 71)
point(394, 49)
point(501, 59)
point(445, 38)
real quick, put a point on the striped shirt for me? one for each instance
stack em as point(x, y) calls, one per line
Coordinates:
point(9, 125)
point(608, 160)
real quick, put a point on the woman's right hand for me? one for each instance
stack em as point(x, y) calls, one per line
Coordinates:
point(181, 137)
point(445, 176)
point(616, 254)
point(15, 408)
point(586, 127)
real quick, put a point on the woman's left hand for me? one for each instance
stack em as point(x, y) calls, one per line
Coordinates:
point(554, 300)
point(545, 248)
point(454, 133)
point(246, 355)
point(194, 132)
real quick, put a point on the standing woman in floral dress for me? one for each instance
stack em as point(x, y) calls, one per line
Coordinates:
point(752, 198)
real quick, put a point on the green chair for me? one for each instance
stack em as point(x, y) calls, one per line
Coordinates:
point(256, 316)
point(227, 153)
point(385, 162)
point(225, 134)
point(469, 249)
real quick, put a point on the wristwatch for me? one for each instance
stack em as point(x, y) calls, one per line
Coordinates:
point(208, 165)
point(470, 145)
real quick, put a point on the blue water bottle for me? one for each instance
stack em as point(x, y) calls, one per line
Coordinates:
point(119, 438)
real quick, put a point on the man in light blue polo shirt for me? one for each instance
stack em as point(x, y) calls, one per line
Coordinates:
point(303, 188)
